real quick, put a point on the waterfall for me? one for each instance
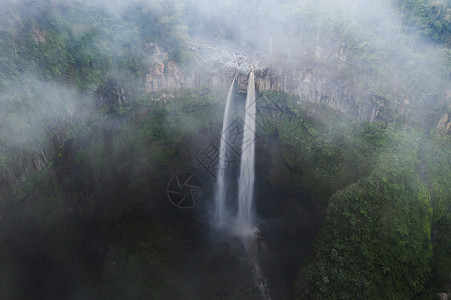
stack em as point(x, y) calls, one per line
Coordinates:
point(244, 226)
point(221, 179)
point(244, 221)
point(245, 216)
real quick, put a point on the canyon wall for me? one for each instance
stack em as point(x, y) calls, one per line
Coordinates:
point(323, 78)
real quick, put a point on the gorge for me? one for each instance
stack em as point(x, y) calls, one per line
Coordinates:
point(317, 132)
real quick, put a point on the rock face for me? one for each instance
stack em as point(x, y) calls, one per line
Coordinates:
point(217, 63)
point(110, 93)
point(443, 296)
point(444, 124)
point(323, 78)
point(210, 67)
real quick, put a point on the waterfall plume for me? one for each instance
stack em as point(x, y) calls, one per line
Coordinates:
point(243, 223)
point(245, 215)
point(221, 178)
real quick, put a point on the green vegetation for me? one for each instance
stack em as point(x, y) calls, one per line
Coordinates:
point(431, 17)
point(322, 149)
point(386, 189)
point(386, 66)
point(436, 157)
point(376, 240)
point(77, 165)
point(83, 44)
point(100, 186)
point(159, 23)
point(41, 44)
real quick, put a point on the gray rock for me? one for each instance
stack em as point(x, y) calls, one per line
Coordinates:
point(443, 296)
point(443, 122)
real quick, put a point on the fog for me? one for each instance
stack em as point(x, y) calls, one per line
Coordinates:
point(350, 38)
point(103, 102)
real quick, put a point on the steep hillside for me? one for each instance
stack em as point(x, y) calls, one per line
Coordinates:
point(102, 104)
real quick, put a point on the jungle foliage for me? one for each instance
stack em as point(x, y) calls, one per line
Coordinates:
point(384, 187)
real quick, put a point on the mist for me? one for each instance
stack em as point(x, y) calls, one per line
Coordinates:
point(103, 104)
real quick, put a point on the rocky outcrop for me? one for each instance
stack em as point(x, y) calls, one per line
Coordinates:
point(110, 92)
point(321, 79)
point(444, 124)
point(443, 296)
point(202, 71)
point(211, 66)
point(38, 34)
point(216, 64)
point(16, 170)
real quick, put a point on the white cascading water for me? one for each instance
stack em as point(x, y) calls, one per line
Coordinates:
point(244, 226)
point(221, 178)
point(244, 222)
point(245, 217)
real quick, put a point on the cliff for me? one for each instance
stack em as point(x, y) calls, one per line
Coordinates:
point(326, 77)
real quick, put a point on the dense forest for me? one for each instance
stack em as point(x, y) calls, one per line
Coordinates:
point(101, 104)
